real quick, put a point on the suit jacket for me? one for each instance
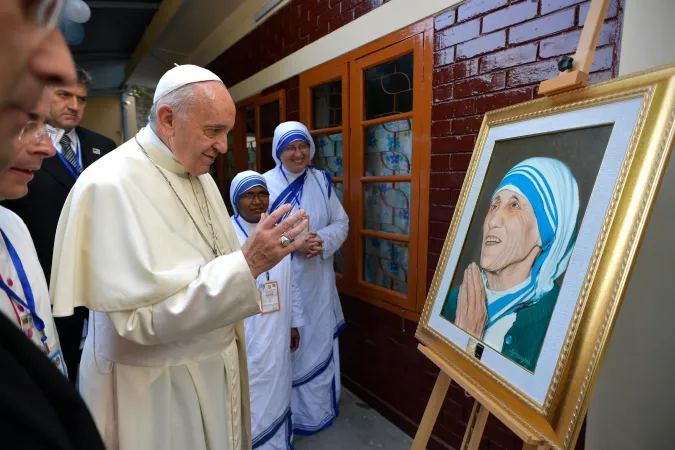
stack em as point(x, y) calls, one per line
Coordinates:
point(47, 193)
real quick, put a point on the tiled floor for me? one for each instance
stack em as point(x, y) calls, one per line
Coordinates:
point(357, 427)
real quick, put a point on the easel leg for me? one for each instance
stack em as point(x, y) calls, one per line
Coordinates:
point(475, 428)
point(431, 412)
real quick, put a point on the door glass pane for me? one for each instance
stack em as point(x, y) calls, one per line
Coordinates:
point(386, 264)
point(389, 88)
point(327, 104)
point(269, 119)
point(328, 155)
point(250, 137)
point(266, 158)
point(339, 191)
point(387, 207)
point(388, 149)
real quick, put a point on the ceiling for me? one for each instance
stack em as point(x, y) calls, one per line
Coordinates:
point(111, 36)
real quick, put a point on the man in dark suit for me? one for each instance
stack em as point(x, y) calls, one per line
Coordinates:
point(77, 148)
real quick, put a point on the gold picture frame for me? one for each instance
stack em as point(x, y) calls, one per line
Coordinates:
point(553, 410)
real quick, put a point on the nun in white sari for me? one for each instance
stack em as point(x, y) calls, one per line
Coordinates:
point(316, 364)
point(272, 335)
point(529, 232)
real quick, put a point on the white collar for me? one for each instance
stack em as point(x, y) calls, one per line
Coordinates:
point(55, 134)
point(158, 142)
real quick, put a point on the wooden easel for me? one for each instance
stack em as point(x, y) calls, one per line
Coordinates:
point(574, 75)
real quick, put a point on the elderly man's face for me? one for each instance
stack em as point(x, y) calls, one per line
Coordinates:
point(30, 148)
point(67, 106)
point(198, 138)
point(510, 232)
point(31, 57)
point(253, 203)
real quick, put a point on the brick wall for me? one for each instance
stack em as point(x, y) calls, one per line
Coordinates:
point(488, 54)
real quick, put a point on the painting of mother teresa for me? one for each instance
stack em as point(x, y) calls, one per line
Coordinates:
point(522, 234)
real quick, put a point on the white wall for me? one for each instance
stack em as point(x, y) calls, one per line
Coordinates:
point(632, 405)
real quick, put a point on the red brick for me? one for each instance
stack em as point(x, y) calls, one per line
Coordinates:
point(432, 260)
point(447, 179)
point(480, 85)
point(328, 15)
point(460, 161)
point(453, 109)
point(442, 76)
point(465, 69)
point(436, 245)
point(444, 57)
point(475, 8)
point(441, 128)
point(563, 20)
point(293, 99)
point(454, 196)
point(597, 77)
point(457, 34)
point(442, 93)
point(452, 144)
point(612, 11)
point(603, 59)
point(482, 45)
point(467, 125)
point(444, 20)
point(566, 44)
point(548, 6)
point(440, 213)
point(304, 30)
point(439, 230)
point(440, 196)
point(533, 73)
point(440, 163)
point(508, 58)
point(509, 16)
point(319, 32)
point(503, 99)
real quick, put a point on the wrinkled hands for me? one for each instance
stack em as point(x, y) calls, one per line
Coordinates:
point(471, 303)
point(313, 245)
point(263, 249)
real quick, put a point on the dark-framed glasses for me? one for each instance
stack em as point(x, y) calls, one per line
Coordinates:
point(250, 196)
point(33, 132)
point(47, 13)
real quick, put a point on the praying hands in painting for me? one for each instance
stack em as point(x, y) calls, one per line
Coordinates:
point(471, 303)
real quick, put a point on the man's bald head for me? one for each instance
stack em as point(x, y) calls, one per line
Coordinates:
point(193, 121)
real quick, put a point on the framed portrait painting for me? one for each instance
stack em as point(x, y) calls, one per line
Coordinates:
point(542, 242)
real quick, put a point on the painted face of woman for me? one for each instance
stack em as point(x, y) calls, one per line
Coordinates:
point(510, 233)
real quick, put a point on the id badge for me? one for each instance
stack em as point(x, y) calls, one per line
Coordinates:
point(269, 297)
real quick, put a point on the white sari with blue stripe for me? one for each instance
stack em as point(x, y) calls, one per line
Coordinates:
point(316, 364)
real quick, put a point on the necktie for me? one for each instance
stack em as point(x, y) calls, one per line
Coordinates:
point(67, 151)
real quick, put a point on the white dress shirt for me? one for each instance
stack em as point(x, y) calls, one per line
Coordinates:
point(55, 134)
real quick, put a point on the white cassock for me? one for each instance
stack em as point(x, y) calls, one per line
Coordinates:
point(316, 363)
point(269, 358)
point(164, 363)
point(17, 238)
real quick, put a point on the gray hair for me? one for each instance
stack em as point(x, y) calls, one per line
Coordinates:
point(83, 77)
point(179, 100)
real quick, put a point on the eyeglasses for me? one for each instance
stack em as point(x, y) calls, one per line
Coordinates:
point(47, 13)
point(261, 196)
point(303, 146)
point(33, 132)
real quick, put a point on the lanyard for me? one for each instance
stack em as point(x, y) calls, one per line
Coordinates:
point(246, 235)
point(29, 304)
point(78, 168)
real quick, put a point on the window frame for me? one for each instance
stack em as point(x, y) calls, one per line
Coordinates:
point(420, 38)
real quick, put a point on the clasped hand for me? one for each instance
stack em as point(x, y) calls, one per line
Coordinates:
point(263, 249)
point(471, 303)
point(313, 245)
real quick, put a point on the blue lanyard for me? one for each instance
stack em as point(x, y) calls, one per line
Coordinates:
point(246, 235)
point(29, 304)
point(78, 168)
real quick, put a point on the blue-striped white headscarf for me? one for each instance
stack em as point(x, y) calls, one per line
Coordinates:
point(288, 132)
point(241, 183)
point(551, 189)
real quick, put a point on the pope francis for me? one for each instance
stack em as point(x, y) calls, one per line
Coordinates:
point(145, 242)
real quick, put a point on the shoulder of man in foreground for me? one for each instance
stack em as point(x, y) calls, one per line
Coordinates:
point(126, 163)
point(103, 143)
